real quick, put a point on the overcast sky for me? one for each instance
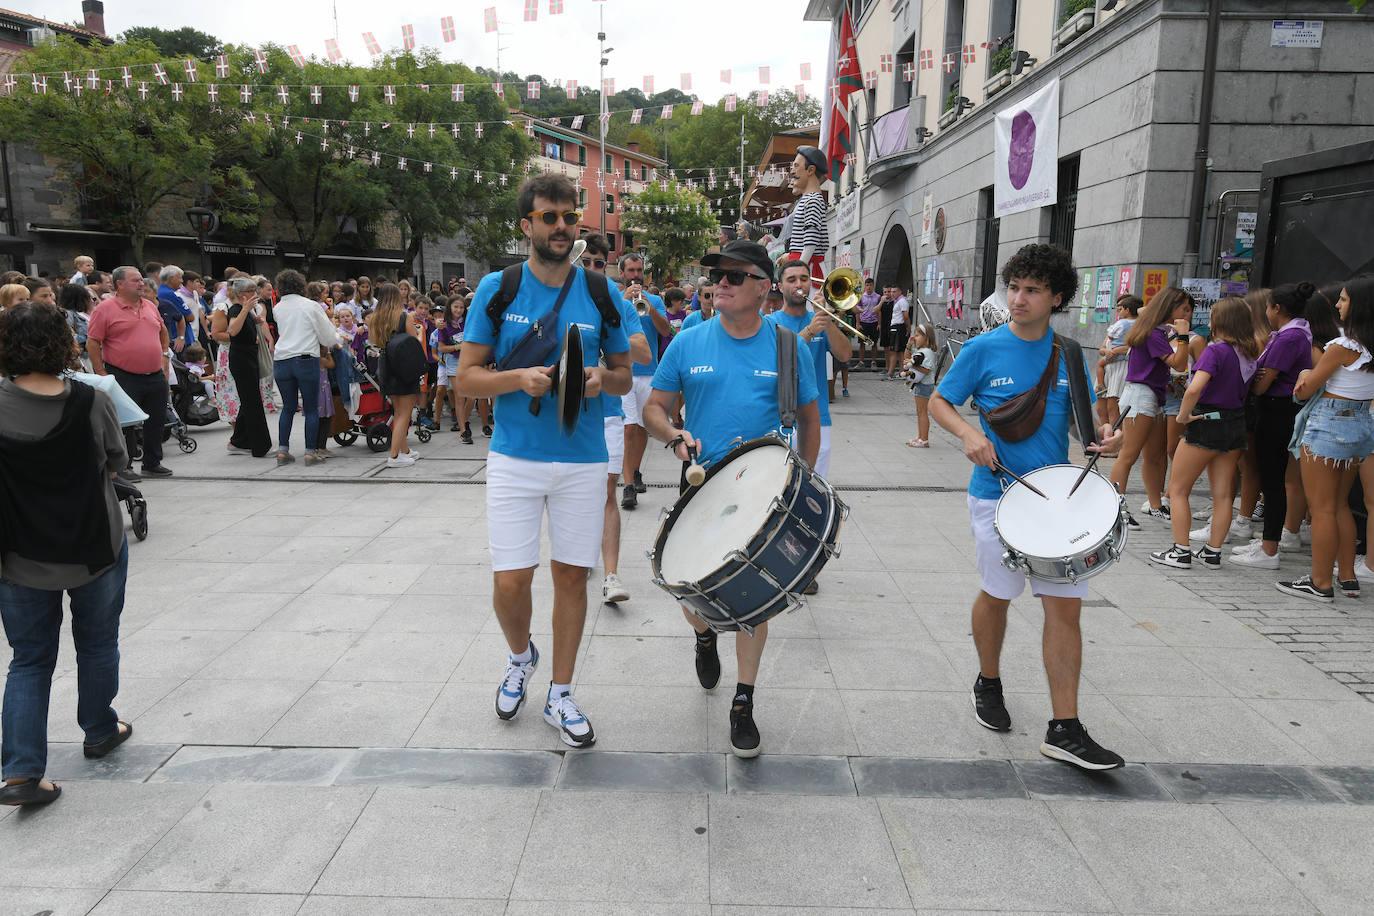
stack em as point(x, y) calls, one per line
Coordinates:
point(650, 37)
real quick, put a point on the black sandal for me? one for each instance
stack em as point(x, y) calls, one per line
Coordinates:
point(101, 748)
point(29, 792)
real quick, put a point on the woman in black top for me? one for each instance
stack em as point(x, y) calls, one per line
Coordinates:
point(251, 435)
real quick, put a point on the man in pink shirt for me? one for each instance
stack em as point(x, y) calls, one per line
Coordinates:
point(127, 339)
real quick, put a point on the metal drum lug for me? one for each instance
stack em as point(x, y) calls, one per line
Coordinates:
point(1011, 560)
point(649, 553)
point(831, 550)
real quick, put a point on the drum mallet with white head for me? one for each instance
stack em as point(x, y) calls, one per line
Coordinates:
point(695, 473)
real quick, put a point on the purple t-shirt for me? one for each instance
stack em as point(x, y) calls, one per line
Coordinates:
point(1289, 352)
point(1145, 364)
point(1227, 386)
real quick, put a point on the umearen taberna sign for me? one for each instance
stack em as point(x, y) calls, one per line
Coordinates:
point(1026, 160)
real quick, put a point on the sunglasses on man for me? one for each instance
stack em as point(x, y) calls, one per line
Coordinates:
point(550, 217)
point(736, 277)
point(594, 263)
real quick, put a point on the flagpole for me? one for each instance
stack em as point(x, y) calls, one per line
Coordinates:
point(601, 167)
point(744, 187)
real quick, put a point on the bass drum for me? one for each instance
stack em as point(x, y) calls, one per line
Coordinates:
point(739, 548)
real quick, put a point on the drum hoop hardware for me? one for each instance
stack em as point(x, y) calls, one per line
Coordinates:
point(765, 574)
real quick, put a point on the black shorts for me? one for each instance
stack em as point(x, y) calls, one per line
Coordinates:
point(1251, 413)
point(1224, 435)
point(870, 330)
point(896, 337)
point(432, 374)
point(392, 388)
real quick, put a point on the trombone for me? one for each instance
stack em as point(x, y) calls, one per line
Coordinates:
point(841, 292)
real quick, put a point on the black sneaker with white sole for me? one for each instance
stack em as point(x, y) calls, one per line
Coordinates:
point(1349, 587)
point(1131, 523)
point(744, 734)
point(1305, 588)
point(988, 706)
point(1068, 740)
point(1176, 556)
point(708, 662)
point(1208, 557)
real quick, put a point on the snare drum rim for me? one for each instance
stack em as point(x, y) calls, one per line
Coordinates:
point(1087, 548)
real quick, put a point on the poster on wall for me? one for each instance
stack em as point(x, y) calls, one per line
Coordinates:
point(1085, 297)
point(1123, 282)
point(930, 278)
point(1206, 292)
point(1155, 280)
point(1106, 290)
point(927, 218)
point(1026, 162)
point(847, 256)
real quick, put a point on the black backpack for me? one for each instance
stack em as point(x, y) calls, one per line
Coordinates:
point(597, 286)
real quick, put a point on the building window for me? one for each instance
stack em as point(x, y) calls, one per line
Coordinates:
point(582, 198)
point(581, 155)
point(610, 240)
point(902, 88)
point(1001, 35)
point(610, 203)
point(610, 164)
point(1064, 214)
point(954, 47)
point(629, 242)
point(643, 173)
point(990, 228)
point(553, 150)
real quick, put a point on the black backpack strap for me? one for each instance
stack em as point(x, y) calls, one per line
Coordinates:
point(787, 377)
point(510, 286)
point(600, 291)
point(1080, 401)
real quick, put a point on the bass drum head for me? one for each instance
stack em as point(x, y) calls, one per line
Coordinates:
point(1058, 526)
point(725, 513)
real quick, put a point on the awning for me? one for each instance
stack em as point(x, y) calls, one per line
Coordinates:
point(14, 244)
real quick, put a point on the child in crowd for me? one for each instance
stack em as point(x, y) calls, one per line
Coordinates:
point(921, 364)
point(1111, 368)
point(445, 342)
point(351, 334)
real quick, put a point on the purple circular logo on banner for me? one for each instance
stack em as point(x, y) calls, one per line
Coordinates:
point(1021, 154)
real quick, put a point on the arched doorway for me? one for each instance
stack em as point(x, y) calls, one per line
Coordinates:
point(894, 260)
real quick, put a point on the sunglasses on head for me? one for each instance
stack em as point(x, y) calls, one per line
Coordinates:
point(594, 263)
point(736, 277)
point(550, 217)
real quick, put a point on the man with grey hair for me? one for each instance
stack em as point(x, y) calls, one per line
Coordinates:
point(176, 314)
point(653, 320)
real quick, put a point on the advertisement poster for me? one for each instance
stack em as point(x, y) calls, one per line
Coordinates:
point(847, 256)
point(930, 278)
point(1085, 297)
point(1206, 291)
point(1123, 283)
point(1106, 294)
point(927, 216)
point(1155, 280)
point(1296, 33)
point(1026, 153)
point(1245, 234)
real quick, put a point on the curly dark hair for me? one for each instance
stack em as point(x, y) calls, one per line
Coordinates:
point(290, 283)
point(1049, 264)
point(75, 297)
point(35, 338)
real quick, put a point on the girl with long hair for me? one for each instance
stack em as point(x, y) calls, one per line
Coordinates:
point(1258, 301)
point(388, 318)
point(1212, 414)
point(923, 383)
point(1158, 342)
point(1338, 436)
point(363, 301)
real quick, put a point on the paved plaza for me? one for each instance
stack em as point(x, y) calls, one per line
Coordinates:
point(310, 659)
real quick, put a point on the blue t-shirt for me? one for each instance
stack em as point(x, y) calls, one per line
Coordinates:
point(995, 367)
point(520, 434)
point(173, 308)
point(730, 385)
point(818, 347)
point(651, 333)
point(611, 405)
point(693, 320)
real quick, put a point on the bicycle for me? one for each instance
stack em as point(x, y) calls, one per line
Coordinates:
point(955, 338)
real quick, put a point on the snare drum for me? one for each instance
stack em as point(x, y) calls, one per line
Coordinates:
point(739, 548)
point(1062, 538)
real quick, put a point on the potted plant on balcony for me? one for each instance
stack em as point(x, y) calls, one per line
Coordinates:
point(950, 111)
point(1075, 18)
point(1000, 67)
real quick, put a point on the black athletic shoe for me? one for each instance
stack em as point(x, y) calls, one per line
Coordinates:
point(466, 437)
point(1349, 587)
point(629, 499)
point(1304, 588)
point(744, 734)
point(1131, 523)
point(456, 427)
point(1207, 557)
point(708, 664)
point(1068, 740)
point(1176, 556)
point(639, 483)
point(486, 430)
point(988, 706)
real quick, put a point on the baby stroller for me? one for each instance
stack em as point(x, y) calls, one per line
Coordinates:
point(373, 416)
point(191, 397)
point(129, 415)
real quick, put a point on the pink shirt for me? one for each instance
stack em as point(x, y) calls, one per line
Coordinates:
point(129, 338)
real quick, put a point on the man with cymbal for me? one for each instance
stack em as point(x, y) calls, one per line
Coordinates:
point(727, 371)
point(535, 461)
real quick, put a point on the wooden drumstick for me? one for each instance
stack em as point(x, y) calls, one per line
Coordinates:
point(695, 472)
point(1092, 462)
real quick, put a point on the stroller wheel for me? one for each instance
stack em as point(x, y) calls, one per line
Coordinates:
point(138, 514)
point(187, 444)
point(166, 433)
point(423, 434)
point(379, 437)
point(347, 438)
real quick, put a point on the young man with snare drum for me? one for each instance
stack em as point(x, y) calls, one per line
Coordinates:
point(993, 368)
point(532, 463)
point(726, 370)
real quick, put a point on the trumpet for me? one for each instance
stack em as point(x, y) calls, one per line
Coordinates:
point(642, 305)
point(841, 292)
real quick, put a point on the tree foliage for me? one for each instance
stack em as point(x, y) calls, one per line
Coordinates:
point(676, 225)
point(175, 43)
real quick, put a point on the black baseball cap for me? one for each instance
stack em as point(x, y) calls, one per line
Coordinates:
point(742, 250)
point(815, 157)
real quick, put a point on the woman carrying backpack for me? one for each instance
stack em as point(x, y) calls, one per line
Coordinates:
point(387, 324)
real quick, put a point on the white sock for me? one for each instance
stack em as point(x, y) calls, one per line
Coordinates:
point(559, 690)
point(524, 658)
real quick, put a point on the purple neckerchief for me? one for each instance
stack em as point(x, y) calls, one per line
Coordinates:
point(1302, 325)
point(1247, 365)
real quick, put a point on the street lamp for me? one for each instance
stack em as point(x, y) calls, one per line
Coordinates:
point(203, 222)
point(601, 185)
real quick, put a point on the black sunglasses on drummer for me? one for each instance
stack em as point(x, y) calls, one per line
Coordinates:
point(736, 277)
point(550, 217)
point(594, 263)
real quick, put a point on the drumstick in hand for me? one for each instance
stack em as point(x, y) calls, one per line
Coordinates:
point(695, 472)
point(1092, 462)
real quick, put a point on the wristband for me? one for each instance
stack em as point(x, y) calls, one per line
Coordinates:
point(675, 443)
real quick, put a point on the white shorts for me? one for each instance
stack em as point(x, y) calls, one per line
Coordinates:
point(822, 465)
point(634, 401)
point(1140, 398)
point(829, 370)
point(1115, 375)
point(615, 445)
point(518, 490)
point(997, 580)
point(441, 377)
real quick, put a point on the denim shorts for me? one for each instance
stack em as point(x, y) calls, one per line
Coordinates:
point(923, 389)
point(1140, 398)
point(1339, 430)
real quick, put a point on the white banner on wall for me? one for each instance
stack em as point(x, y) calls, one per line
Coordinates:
point(1026, 163)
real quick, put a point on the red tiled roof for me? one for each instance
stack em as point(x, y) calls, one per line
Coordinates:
point(7, 59)
point(55, 26)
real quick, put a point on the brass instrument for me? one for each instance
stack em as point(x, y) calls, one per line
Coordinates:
point(841, 291)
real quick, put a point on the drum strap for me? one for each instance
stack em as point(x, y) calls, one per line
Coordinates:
point(1079, 398)
point(787, 378)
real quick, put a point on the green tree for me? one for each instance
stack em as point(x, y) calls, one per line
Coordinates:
point(676, 225)
point(175, 43)
point(127, 154)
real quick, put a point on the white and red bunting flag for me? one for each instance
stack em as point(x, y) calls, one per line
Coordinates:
point(93, 79)
point(577, 122)
point(453, 129)
point(353, 93)
point(532, 89)
point(870, 79)
point(885, 63)
point(251, 118)
point(805, 72)
point(316, 95)
point(477, 176)
point(765, 75)
point(636, 115)
point(696, 107)
point(389, 93)
point(908, 71)
point(127, 77)
point(604, 118)
point(725, 76)
point(970, 54)
point(555, 7)
point(763, 98)
point(222, 67)
point(296, 56)
point(159, 73)
point(429, 167)
point(457, 92)
point(142, 89)
point(570, 89)
point(260, 58)
point(245, 94)
point(10, 83)
point(177, 91)
point(608, 86)
point(370, 41)
point(927, 60)
point(452, 174)
point(284, 94)
point(499, 89)
point(730, 102)
point(401, 163)
point(67, 80)
point(331, 50)
point(324, 144)
point(189, 64)
point(531, 10)
point(663, 184)
point(109, 88)
point(77, 89)
point(666, 114)
point(489, 19)
point(376, 158)
point(431, 131)
point(800, 90)
point(477, 129)
point(529, 128)
point(211, 92)
point(446, 26)
point(408, 37)
point(949, 62)
point(686, 82)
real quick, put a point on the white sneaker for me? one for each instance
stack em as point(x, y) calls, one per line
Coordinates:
point(1305, 534)
point(1362, 570)
point(1240, 528)
point(563, 714)
point(510, 696)
point(1289, 541)
point(613, 590)
point(1245, 548)
point(403, 460)
point(1205, 532)
point(1253, 555)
